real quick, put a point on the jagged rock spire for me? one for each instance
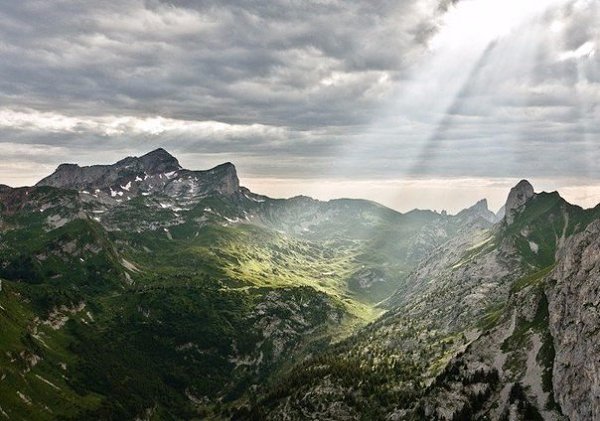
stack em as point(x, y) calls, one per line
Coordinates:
point(517, 197)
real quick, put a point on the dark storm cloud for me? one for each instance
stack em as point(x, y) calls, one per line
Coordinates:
point(262, 62)
point(290, 87)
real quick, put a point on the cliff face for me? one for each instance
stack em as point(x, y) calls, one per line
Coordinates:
point(574, 303)
point(517, 197)
point(72, 176)
point(157, 173)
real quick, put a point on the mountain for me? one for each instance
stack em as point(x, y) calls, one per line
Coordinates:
point(517, 198)
point(572, 293)
point(73, 176)
point(479, 210)
point(157, 172)
point(143, 290)
point(486, 327)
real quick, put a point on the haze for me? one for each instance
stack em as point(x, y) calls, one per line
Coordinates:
point(414, 104)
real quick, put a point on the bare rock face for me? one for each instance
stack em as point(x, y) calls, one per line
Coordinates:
point(156, 172)
point(500, 214)
point(225, 179)
point(574, 303)
point(74, 177)
point(517, 197)
point(479, 210)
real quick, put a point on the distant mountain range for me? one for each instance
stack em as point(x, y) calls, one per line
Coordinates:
point(143, 290)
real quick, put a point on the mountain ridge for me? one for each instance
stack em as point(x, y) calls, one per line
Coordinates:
point(472, 328)
point(181, 294)
point(286, 277)
point(73, 176)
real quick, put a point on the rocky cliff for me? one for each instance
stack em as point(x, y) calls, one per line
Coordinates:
point(574, 304)
point(518, 196)
point(156, 172)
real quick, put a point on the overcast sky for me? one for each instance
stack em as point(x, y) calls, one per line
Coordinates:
point(414, 103)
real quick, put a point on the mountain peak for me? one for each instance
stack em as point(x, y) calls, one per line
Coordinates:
point(226, 174)
point(523, 185)
point(152, 170)
point(159, 160)
point(225, 166)
point(482, 205)
point(159, 154)
point(517, 197)
point(478, 210)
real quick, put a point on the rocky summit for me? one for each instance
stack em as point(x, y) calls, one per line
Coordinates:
point(153, 173)
point(518, 196)
point(102, 176)
point(143, 290)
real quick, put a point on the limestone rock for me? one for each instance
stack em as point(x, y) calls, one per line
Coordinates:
point(517, 197)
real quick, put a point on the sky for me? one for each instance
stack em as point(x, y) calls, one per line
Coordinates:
point(414, 103)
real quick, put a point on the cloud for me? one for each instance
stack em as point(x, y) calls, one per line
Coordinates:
point(587, 49)
point(206, 60)
point(322, 89)
point(111, 126)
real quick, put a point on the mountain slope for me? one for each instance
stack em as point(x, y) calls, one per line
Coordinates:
point(573, 299)
point(145, 290)
point(142, 289)
point(468, 335)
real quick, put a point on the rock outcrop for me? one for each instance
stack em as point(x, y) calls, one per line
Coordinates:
point(518, 196)
point(574, 301)
point(479, 210)
point(157, 172)
point(74, 177)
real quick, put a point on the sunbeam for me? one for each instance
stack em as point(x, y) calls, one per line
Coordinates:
point(479, 46)
point(291, 209)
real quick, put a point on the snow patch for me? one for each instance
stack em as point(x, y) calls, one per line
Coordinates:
point(24, 398)
point(128, 278)
point(48, 382)
point(130, 266)
point(475, 246)
point(253, 199)
point(534, 247)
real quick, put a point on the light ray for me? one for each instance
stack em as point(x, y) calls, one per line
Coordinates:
point(479, 44)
